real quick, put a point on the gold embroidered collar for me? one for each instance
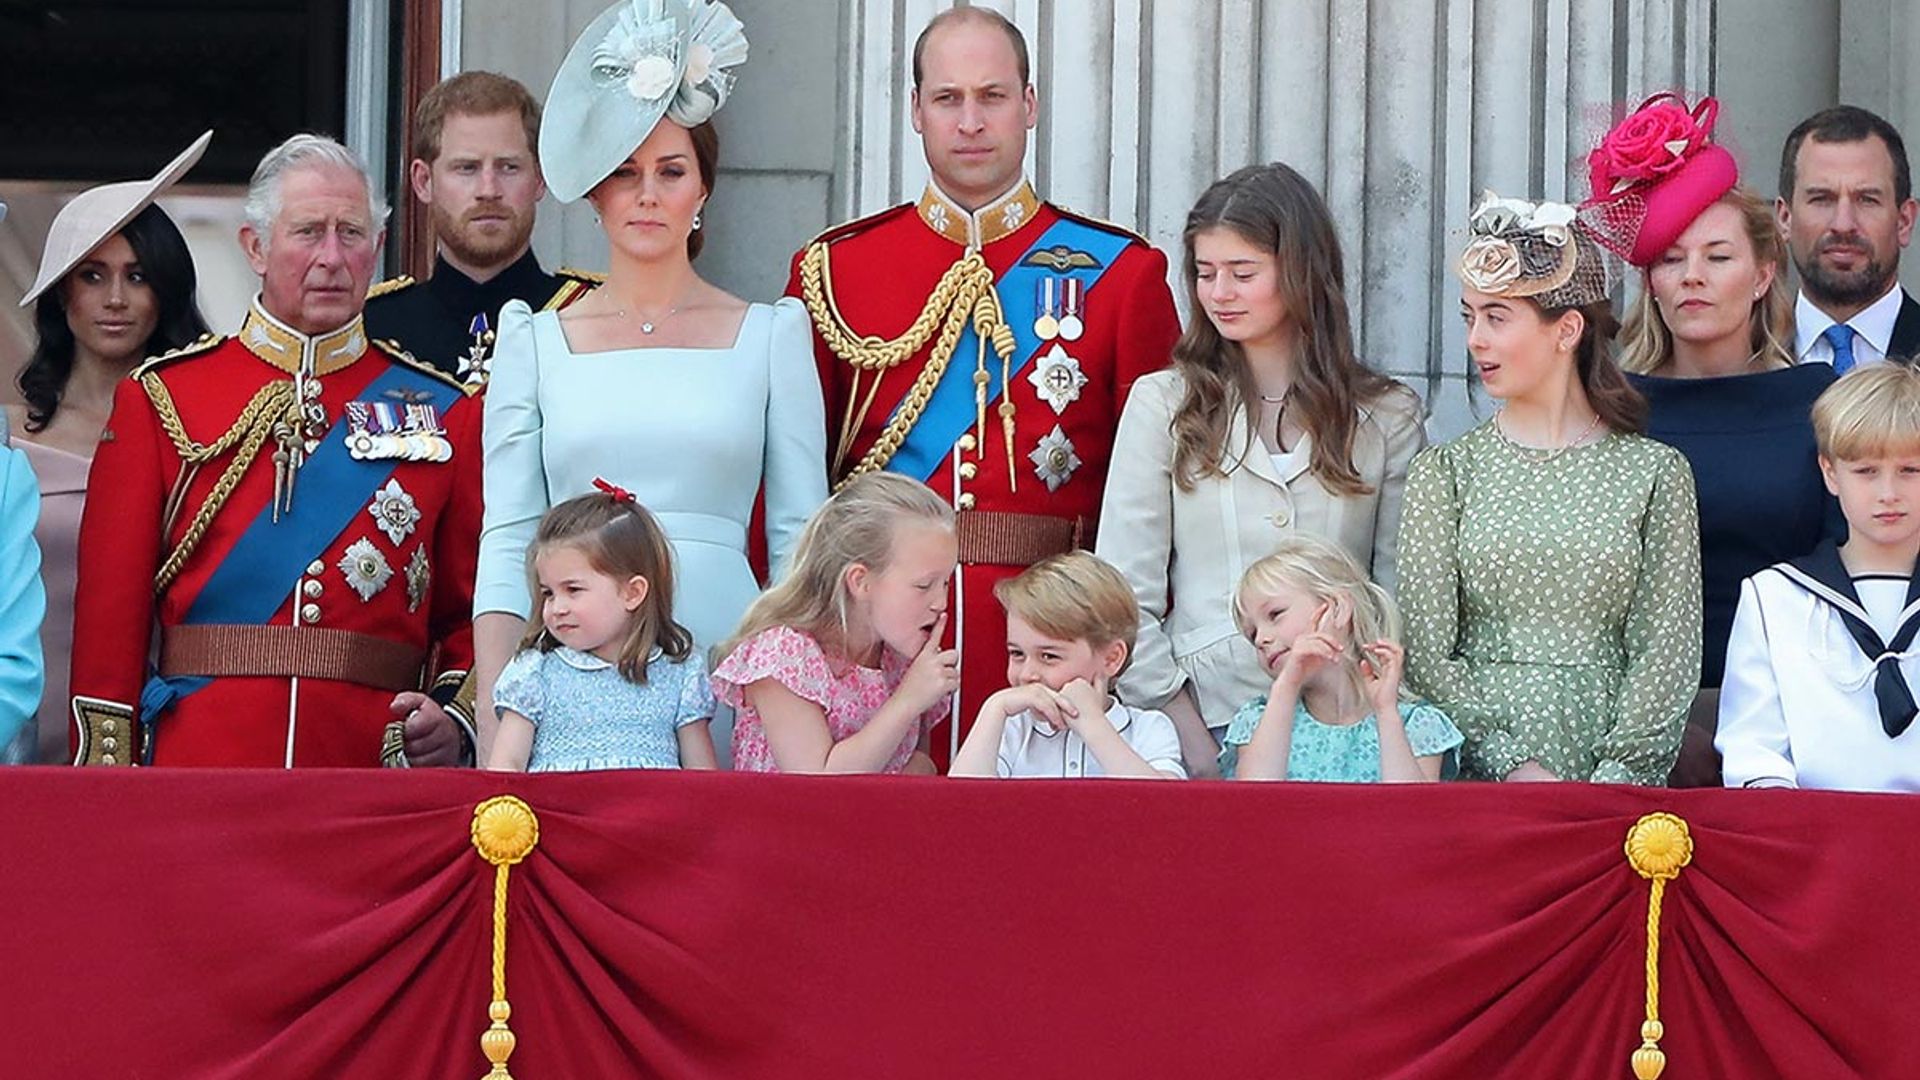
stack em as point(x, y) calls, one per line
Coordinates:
point(994, 221)
point(291, 351)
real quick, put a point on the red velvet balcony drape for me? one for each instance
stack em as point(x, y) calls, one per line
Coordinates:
point(265, 924)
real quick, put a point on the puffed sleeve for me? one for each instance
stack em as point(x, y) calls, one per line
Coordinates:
point(1752, 734)
point(1402, 425)
point(23, 601)
point(1139, 493)
point(696, 693)
point(521, 686)
point(1429, 566)
point(515, 475)
point(1246, 721)
point(1662, 637)
point(795, 474)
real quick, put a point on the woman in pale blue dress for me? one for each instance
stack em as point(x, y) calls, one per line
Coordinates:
point(666, 385)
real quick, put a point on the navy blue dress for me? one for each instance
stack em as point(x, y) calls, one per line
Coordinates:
point(1749, 439)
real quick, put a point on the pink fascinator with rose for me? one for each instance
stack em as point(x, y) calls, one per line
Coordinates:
point(1653, 174)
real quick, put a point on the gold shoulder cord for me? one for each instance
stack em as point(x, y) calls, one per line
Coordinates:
point(268, 407)
point(965, 293)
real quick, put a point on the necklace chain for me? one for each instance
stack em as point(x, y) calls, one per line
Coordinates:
point(1540, 455)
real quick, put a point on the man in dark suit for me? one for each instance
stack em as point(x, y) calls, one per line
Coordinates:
point(1846, 208)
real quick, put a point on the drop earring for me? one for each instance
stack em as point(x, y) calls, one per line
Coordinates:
point(696, 221)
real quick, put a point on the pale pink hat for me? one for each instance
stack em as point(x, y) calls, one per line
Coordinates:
point(96, 214)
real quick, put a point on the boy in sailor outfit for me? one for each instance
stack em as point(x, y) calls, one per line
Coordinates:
point(1822, 664)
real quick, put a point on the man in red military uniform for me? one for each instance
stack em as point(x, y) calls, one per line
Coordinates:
point(983, 340)
point(283, 525)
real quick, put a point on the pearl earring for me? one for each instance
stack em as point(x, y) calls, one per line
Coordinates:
point(696, 221)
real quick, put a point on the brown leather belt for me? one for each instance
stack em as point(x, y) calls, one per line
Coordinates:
point(298, 652)
point(1004, 538)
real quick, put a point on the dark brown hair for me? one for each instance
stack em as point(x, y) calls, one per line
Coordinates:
point(1845, 124)
point(956, 15)
point(706, 155)
point(1275, 209)
point(620, 539)
point(1618, 404)
point(472, 93)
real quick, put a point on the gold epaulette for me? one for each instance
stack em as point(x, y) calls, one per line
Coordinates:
point(401, 356)
point(391, 285)
point(858, 225)
point(203, 344)
point(574, 284)
point(1102, 224)
point(585, 277)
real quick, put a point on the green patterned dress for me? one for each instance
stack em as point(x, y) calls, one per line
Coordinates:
point(1553, 602)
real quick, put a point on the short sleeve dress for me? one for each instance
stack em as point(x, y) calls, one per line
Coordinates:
point(1553, 602)
point(586, 715)
point(1343, 753)
point(848, 694)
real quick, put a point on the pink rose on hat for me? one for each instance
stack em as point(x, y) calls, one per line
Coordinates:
point(1647, 145)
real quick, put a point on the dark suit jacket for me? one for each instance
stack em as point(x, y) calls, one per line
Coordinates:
point(1905, 342)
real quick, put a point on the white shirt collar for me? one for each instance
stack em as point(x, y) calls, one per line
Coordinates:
point(1872, 326)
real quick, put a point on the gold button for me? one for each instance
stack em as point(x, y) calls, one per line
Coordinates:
point(967, 442)
point(109, 744)
point(968, 470)
point(316, 568)
point(966, 500)
point(310, 613)
point(110, 727)
point(109, 759)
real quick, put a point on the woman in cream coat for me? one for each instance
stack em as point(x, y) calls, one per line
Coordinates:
point(1265, 424)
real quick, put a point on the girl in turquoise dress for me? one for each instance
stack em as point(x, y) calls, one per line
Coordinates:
point(1326, 636)
point(693, 399)
point(1550, 558)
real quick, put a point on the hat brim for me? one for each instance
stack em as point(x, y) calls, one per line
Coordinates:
point(588, 128)
point(96, 214)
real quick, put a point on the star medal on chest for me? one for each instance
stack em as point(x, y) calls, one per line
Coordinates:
point(477, 364)
point(1054, 459)
point(398, 429)
point(1057, 378)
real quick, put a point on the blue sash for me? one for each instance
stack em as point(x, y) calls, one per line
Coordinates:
point(950, 411)
point(254, 579)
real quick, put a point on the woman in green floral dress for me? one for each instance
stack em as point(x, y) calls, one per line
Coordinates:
point(1549, 558)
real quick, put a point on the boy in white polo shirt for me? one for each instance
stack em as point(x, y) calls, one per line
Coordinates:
point(1071, 621)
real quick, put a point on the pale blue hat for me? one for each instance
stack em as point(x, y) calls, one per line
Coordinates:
point(636, 62)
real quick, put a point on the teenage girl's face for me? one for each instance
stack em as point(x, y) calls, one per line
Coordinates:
point(647, 205)
point(584, 608)
point(111, 308)
point(901, 604)
point(1036, 657)
point(1517, 351)
point(1274, 619)
point(1238, 284)
point(1707, 283)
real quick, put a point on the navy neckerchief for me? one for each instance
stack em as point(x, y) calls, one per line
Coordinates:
point(1824, 575)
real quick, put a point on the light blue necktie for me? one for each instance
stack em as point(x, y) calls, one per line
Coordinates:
point(1840, 336)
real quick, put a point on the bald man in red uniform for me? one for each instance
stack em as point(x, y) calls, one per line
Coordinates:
point(279, 546)
point(1009, 332)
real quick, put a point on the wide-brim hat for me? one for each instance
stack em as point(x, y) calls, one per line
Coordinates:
point(96, 214)
point(1654, 173)
point(635, 63)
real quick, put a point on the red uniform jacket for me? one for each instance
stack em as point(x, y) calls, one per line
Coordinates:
point(882, 270)
point(405, 582)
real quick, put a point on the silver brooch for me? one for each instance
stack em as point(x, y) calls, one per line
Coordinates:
point(366, 569)
point(395, 511)
point(419, 577)
point(1054, 460)
point(1058, 379)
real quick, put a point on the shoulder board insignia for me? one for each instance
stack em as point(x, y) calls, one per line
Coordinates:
point(574, 284)
point(587, 277)
point(391, 285)
point(1102, 224)
point(858, 225)
point(205, 343)
point(1061, 258)
point(400, 355)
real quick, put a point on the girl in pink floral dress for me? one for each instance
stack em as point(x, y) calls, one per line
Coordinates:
point(839, 668)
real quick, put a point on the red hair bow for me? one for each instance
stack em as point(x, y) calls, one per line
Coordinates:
point(620, 494)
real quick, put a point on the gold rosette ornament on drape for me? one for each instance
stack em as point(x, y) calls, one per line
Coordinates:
point(505, 831)
point(1658, 848)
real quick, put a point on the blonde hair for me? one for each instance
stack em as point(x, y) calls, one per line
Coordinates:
point(1322, 570)
point(1647, 343)
point(857, 526)
point(1075, 597)
point(622, 540)
point(1871, 411)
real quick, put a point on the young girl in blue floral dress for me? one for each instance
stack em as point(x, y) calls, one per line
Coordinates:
point(1326, 636)
point(609, 680)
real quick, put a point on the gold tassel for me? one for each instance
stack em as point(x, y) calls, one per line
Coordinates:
point(1658, 848)
point(505, 831)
